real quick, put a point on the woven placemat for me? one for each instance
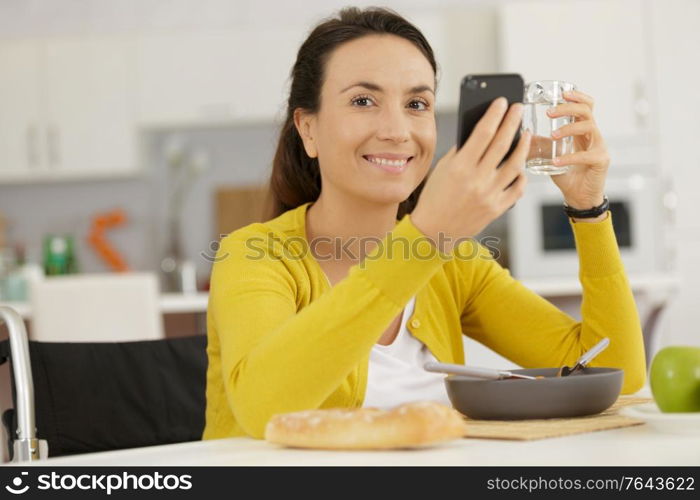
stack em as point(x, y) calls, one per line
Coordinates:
point(555, 427)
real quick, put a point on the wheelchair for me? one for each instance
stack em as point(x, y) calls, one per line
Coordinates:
point(85, 397)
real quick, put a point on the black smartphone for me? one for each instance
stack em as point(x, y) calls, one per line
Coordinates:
point(476, 94)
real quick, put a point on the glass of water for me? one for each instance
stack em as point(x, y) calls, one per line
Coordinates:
point(539, 96)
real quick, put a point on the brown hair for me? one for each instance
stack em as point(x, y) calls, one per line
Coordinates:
point(296, 178)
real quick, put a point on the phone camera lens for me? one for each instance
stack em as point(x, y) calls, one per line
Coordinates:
point(471, 84)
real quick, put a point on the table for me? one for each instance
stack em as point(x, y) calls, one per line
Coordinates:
point(637, 445)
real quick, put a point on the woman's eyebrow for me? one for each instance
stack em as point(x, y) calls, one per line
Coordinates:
point(373, 86)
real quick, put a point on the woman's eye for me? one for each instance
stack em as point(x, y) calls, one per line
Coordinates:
point(418, 105)
point(362, 101)
point(366, 101)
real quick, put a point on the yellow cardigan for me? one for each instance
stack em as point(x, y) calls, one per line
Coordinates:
point(280, 339)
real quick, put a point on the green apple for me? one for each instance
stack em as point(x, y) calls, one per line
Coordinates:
point(674, 378)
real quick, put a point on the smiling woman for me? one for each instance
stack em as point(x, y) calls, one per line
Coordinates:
point(382, 124)
point(337, 89)
point(366, 268)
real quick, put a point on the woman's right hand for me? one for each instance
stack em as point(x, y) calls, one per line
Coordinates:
point(466, 191)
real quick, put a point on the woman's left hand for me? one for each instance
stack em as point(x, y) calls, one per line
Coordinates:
point(583, 185)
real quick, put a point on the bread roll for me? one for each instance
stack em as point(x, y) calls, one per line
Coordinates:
point(408, 425)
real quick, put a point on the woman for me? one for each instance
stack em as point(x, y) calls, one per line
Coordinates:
point(307, 309)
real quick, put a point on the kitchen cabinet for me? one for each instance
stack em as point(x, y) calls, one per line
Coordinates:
point(20, 102)
point(464, 41)
point(676, 40)
point(89, 113)
point(67, 109)
point(224, 77)
point(601, 45)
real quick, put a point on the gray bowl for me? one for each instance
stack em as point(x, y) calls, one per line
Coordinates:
point(586, 392)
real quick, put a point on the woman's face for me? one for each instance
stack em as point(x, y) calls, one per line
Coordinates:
point(374, 134)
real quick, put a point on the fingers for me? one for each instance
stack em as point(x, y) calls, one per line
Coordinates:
point(580, 111)
point(514, 165)
point(576, 128)
point(450, 154)
point(592, 157)
point(504, 137)
point(514, 192)
point(539, 143)
point(484, 131)
point(578, 96)
point(445, 161)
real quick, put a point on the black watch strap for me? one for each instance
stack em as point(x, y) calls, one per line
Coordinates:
point(590, 212)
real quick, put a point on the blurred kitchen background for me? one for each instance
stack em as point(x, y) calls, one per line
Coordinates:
point(134, 132)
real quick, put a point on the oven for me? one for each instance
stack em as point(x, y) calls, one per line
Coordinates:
point(540, 242)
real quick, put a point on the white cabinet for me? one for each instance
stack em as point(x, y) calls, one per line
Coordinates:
point(20, 108)
point(676, 42)
point(185, 77)
point(67, 109)
point(89, 116)
point(464, 41)
point(601, 45)
point(72, 107)
point(214, 77)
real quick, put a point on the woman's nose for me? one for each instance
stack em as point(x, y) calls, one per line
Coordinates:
point(393, 125)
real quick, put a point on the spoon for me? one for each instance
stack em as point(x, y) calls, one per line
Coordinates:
point(584, 360)
point(474, 371)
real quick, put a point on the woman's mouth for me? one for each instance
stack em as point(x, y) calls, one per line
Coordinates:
point(396, 164)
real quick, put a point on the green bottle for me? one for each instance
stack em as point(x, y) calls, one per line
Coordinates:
point(59, 255)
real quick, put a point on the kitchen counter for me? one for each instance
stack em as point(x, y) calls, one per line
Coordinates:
point(654, 284)
point(652, 292)
point(169, 303)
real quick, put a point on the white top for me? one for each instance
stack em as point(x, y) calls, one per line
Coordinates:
point(396, 373)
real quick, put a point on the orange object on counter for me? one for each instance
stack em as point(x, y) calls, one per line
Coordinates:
point(99, 242)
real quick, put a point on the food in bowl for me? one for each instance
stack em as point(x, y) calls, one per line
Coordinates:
point(585, 392)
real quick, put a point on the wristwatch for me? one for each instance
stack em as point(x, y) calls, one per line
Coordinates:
point(590, 212)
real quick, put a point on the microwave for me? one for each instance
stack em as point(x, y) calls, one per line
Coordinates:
point(540, 241)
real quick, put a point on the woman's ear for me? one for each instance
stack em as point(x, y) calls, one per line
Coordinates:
point(305, 124)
